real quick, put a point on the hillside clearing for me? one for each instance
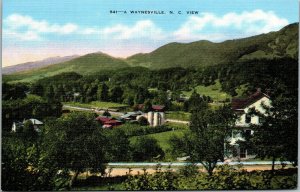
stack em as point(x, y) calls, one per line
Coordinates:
point(213, 91)
point(97, 104)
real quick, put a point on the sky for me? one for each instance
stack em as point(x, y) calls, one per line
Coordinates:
point(36, 29)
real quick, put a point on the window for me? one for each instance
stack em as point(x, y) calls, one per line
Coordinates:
point(247, 133)
point(243, 153)
point(248, 118)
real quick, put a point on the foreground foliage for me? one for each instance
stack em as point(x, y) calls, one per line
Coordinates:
point(225, 178)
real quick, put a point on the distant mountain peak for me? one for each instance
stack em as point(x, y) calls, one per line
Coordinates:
point(37, 64)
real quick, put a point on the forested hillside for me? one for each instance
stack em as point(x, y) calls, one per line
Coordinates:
point(200, 54)
point(283, 43)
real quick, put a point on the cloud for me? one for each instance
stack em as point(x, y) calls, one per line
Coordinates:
point(141, 29)
point(207, 26)
point(26, 28)
point(229, 25)
point(24, 36)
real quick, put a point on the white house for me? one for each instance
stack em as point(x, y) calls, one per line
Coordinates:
point(242, 125)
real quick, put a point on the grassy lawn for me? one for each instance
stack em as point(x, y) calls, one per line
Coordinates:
point(98, 104)
point(179, 115)
point(177, 125)
point(163, 137)
point(214, 91)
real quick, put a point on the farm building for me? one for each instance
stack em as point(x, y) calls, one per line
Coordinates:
point(155, 118)
point(157, 108)
point(108, 122)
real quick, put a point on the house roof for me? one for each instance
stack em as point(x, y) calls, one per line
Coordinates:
point(129, 114)
point(154, 107)
point(103, 119)
point(241, 103)
point(112, 121)
point(36, 122)
point(158, 107)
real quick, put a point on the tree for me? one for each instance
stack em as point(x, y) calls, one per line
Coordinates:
point(146, 149)
point(161, 98)
point(106, 113)
point(29, 131)
point(37, 89)
point(49, 93)
point(25, 168)
point(147, 106)
point(205, 143)
point(116, 94)
point(91, 93)
point(195, 102)
point(143, 121)
point(276, 135)
point(118, 147)
point(13, 91)
point(76, 144)
point(141, 95)
point(102, 92)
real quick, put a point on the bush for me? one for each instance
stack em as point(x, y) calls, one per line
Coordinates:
point(106, 114)
point(138, 130)
point(146, 148)
point(189, 170)
point(225, 178)
point(143, 121)
point(157, 181)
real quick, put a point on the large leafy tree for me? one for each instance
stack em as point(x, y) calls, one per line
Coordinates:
point(102, 92)
point(117, 148)
point(146, 148)
point(195, 102)
point(276, 135)
point(24, 166)
point(30, 107)
point(116, 94)
point(207, 137)
point(76, 144)
point(14, 91)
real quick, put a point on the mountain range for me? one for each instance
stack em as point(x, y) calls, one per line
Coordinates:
point(37, 64)
point(279, 44)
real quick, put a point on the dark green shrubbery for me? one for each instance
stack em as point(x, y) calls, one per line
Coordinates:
point(138, 130)
point(224, 178)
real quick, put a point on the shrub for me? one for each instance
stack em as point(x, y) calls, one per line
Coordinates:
point(225, 178)
point(143, 121)
point(138, 130)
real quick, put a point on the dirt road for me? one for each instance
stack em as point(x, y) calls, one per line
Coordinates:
point(135, 171)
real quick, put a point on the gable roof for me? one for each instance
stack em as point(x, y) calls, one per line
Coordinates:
point(158, 107)
point(241, 103)
point(103, 119)
point(36, 122)
point(112, 121)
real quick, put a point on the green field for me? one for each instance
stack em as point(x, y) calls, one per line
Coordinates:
point(98, 104)
point(214, 91)
point(176, 125)
point(179, 115)
point(163, 137)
